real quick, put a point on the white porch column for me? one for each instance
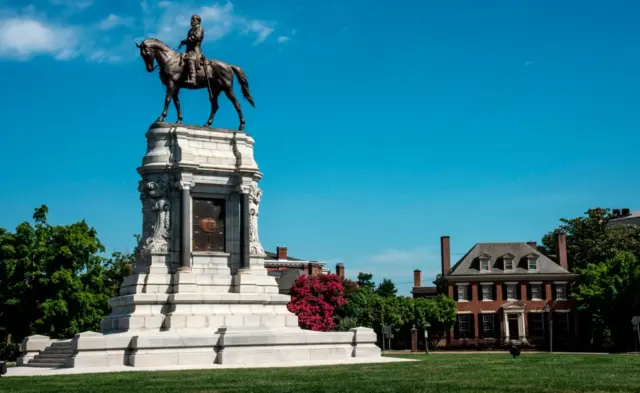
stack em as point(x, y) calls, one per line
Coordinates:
point(506, 326)
point(520, 325)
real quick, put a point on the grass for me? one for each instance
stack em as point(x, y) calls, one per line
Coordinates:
point(439, 373)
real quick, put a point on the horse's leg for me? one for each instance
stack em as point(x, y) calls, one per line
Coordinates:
point(167, 100)
point(236, 104)
point(176, 103)
point(214, 107)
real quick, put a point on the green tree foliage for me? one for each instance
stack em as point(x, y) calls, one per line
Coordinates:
point(606, 261)
point(610, 293)
point(369, 308)
point(365, 281)
point(53, 280)
point(387, 288)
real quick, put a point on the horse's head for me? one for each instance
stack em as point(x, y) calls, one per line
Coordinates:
point(147, 54)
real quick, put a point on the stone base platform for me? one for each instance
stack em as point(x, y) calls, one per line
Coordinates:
point(48, 372)
point(239, 346)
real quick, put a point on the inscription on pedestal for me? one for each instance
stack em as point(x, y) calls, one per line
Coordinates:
point(208, 224)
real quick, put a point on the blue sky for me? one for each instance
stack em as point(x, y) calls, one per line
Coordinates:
point(379, 126)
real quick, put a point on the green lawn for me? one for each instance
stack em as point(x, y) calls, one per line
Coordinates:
point(439, 373)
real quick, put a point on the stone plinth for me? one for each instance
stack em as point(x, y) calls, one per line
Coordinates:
point(200, 293)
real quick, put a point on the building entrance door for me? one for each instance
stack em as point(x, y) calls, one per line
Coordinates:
point(514, 332)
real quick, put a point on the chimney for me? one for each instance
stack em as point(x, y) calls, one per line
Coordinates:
point(445, 254)
point(417, 278)
point(533, 244)
point(282, 253)
point(340, 270)
point(561, 250)
point(314, 269)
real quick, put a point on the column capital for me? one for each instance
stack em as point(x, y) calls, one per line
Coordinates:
point(184, 184)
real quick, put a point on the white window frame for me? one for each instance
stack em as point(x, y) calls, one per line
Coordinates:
point(487, 262)
point(489, 287)
point(510, 261)
point(493, 322)
point(465, 291)
point(536, 285)
point(515, 291)
point(533, 261)
point(564, 286)
point(467, 323)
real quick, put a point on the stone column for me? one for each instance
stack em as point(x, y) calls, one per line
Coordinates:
point(185, 226)
point(506, 326)
point(521, 329)
point(245, 254)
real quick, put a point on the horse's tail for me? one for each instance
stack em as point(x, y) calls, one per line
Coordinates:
point(244, 84)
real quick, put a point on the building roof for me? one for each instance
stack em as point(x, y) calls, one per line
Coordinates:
point(274, 256)
point(425, 290)
point(469, 264)
point(632, 215)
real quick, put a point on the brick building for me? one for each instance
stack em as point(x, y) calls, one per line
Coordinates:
point(501, 290)
point(287, 269)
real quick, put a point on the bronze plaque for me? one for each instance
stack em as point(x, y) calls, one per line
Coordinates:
point(208, 224)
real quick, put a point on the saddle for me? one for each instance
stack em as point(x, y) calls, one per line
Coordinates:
point(183, 60)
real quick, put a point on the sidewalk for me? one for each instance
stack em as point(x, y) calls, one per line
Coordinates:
point(480, 352)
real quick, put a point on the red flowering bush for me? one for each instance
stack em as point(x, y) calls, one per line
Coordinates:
point(314, 299)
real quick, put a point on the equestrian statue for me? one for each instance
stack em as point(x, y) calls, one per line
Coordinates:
point(192, 70)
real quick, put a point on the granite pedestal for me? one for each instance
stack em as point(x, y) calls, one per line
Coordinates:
point(200, 293)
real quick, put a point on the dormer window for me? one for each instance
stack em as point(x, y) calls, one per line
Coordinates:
point(532, 261)
point(485, 262)
point(509, 266)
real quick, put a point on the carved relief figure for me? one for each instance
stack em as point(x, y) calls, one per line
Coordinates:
point(254, 203)
point(155, 212)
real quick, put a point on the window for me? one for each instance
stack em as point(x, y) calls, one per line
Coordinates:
point(462, 293)
point(484, 265)
point(533, 264)
point(512, 293)
point(508, 264)
point(464, 326)
point(561, 291)
point(561, 324)
point(536, 324)
point(487, 292)
point(487, 323)
point(208, 224)
point(536, 292)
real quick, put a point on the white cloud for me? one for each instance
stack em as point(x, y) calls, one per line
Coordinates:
point(528, 63)
point(113, 21)
point(169, 21)
point(77, 5)
point(25, 33)
point(23, 38)
point(393, 255)
point(283, 38)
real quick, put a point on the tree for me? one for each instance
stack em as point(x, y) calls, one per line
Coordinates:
point(53, 280)
point(365, 281)
point(610, 292)
point(387, 288)
point(314, 300)
point(590, 241)
point(604, 259)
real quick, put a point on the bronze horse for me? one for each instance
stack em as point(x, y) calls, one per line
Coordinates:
point(173, 75)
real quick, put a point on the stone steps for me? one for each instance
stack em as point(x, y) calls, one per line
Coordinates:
point(53, 356)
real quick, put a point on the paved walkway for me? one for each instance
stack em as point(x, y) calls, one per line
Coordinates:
point(466, 352)
point(39, 371)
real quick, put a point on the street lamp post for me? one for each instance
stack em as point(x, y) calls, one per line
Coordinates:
point(426, 337)
point(547, 309)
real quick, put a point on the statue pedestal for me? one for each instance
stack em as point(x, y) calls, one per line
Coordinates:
point(200, 293)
